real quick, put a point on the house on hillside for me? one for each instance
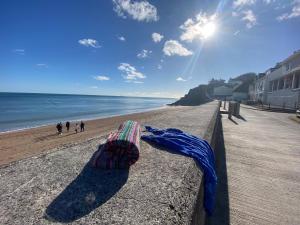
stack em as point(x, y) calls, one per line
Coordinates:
point(240, 93)
point(236, 88)
point(223, 92)
point(280, 87)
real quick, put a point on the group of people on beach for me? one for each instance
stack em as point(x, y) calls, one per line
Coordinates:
point(78, 126)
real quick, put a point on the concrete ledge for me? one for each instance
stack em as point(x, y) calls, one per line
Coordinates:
point(210, 136)
point(161, 188)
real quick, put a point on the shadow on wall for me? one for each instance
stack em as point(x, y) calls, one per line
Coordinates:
point(91, 188)
point(221, 212)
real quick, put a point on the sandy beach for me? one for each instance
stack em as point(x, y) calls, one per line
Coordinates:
point(17, 145)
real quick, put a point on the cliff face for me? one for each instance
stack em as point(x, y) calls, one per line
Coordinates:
point(195, 96)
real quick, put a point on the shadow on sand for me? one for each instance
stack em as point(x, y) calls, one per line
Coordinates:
point(46, 137)
point(54, 135)
point(91, 188)
point(221, 212)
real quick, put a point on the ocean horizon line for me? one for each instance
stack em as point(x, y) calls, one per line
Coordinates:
point(118, 96)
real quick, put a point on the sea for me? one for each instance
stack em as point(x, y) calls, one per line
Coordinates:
point(27, 110)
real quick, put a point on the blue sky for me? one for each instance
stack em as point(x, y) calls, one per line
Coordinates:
point(141, 48)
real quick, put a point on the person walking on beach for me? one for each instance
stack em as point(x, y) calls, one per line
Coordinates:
point(59, 128)
point(81, 126)
point(68, 125)
point(76, 128)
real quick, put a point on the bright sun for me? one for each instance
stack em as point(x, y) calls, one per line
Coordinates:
point(209, 29)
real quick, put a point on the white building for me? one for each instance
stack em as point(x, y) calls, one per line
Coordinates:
point(251, 92)
point(283, 83)
point(222, 92)
point(260, 88)
point(241, 92)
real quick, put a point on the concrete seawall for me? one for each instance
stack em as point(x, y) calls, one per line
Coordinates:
point(211, 134)
point(161, 188)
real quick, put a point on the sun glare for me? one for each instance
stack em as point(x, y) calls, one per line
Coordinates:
point(209, 30)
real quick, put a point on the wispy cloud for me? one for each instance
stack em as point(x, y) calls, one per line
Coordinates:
point(199, 27)
point(94, 87)
point(19, 51)
point(267, 1)
point(130, 73)
point(249, 18)
point(42, 65)
point(236, 32)
point(281, 6)
point(156, 37)
point(293, 14)
point(134, 81)
point(101, 78)
point(144, 54)
point(234, 14)
point(180, 79)
point(173, 47)
point(121, 38)
point(241, 3)
point(137, 10)
point(89, 43)
point(159, 66)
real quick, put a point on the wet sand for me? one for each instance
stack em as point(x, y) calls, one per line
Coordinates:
point(26, 143)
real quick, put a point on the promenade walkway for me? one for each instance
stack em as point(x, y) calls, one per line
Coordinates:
point(258, 163)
